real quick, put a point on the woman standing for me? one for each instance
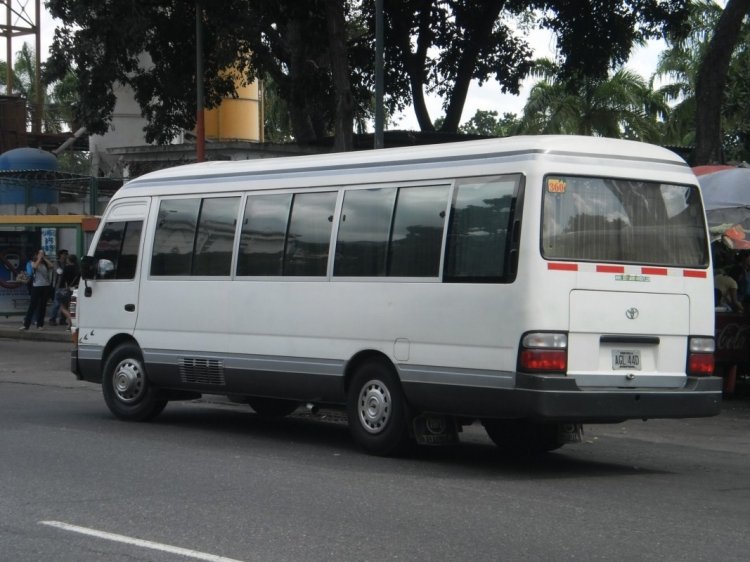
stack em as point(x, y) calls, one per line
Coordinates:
point(40, 287)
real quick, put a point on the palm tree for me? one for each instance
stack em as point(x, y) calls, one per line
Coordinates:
point(622, 106)
point(678, 66)
point(57, 98)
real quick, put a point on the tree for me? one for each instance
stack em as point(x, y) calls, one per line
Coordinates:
point(620, 106)
point(736, 109)
point(439, 46)
point(150, 44)
point(679, 65)
point(57, 98)
point(486, 123)
point(711, 81)
point(319, 53)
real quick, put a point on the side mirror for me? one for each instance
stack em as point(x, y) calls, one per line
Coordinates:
point(88, 267)
point(93, 268)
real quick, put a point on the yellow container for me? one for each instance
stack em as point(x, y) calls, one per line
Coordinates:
point(237, 118)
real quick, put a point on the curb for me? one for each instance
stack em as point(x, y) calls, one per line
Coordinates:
point(55, 334)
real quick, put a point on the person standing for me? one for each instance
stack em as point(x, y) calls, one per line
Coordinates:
point(72, 276)
point(40, 287)
point(59, 287)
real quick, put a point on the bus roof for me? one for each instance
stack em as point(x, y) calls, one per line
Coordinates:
point(563, 145)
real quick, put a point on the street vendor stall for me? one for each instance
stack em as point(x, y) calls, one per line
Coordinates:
point(726, 196)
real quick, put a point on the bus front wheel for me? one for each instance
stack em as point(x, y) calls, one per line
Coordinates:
point(377, 410)
point(126, 389)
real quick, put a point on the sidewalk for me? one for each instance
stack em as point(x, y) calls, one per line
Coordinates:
point(9, 328)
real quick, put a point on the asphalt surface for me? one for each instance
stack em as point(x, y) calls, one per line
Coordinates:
point(213, 479)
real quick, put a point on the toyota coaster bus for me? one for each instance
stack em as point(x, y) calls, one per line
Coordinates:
point(531, 283)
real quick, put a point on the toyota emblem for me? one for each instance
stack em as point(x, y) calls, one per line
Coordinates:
point(631, 313)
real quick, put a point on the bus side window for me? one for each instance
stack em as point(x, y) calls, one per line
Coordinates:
point(215, 237)
point(362, 241)
point(478, 229)
point(417, 233)
point(391, 232)
point(263, 234)
point(119, 243)
point(174, 238)
point(309, 236)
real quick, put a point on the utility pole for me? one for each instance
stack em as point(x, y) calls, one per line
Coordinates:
point(379, 111)
point(200, 127)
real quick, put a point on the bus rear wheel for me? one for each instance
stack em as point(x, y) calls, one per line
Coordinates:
point(377, 410)
point(524, 437)
point(126, 388)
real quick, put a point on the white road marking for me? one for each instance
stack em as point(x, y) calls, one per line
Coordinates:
point(138, 542)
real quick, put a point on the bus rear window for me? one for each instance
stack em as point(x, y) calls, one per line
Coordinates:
point(628, 221)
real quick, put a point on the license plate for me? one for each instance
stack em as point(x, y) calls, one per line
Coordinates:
point(630, 359)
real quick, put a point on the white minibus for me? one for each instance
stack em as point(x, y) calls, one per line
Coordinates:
point(533, 284)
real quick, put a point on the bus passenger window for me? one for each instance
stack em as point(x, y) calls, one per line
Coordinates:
point(175, 234)
point(478, 229)
point(309, 235)
point(263, 234)
point(215, 238)
point(362, 241)
point(417, 233)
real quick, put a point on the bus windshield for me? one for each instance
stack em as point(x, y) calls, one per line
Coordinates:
point(627, 221)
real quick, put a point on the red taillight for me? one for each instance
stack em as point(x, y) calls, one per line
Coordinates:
point(701, 364)
point(543, 352)
point(701, 356)
point(547, 360)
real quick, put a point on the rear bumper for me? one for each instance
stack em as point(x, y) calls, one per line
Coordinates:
point(558, 398)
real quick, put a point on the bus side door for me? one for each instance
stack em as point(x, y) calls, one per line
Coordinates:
point(112, 306)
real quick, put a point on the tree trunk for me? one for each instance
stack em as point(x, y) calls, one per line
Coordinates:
point(302, 127)
point(414, 61)
point(487, 17)
point(344, 118)
point(711, 80)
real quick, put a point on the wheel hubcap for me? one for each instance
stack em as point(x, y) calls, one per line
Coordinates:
point(128, 381)
point(374, 406)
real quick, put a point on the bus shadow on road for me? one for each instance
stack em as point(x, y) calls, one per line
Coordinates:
point(323, 437)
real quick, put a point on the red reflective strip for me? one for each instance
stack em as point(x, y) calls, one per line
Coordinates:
point(654, 271)
point(563, 266)
point(692, 273)
point(610, 269)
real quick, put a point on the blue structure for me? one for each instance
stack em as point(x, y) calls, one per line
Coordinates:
point(27, 192)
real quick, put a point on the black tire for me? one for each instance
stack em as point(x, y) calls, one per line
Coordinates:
point(272, 407)
point(524, 437)
point(377, 410)
point(125, 386)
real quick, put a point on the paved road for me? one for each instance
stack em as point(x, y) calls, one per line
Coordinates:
point(216, 481)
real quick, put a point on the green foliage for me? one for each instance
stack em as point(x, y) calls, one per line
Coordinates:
point(58, 96)
point(150, 46)
point(598, 36)
point(276, 126)
point(75, 163)
point(621, 106)
point(487, 123)
point(432, 46)
point(440, 46)
point(678, 67)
